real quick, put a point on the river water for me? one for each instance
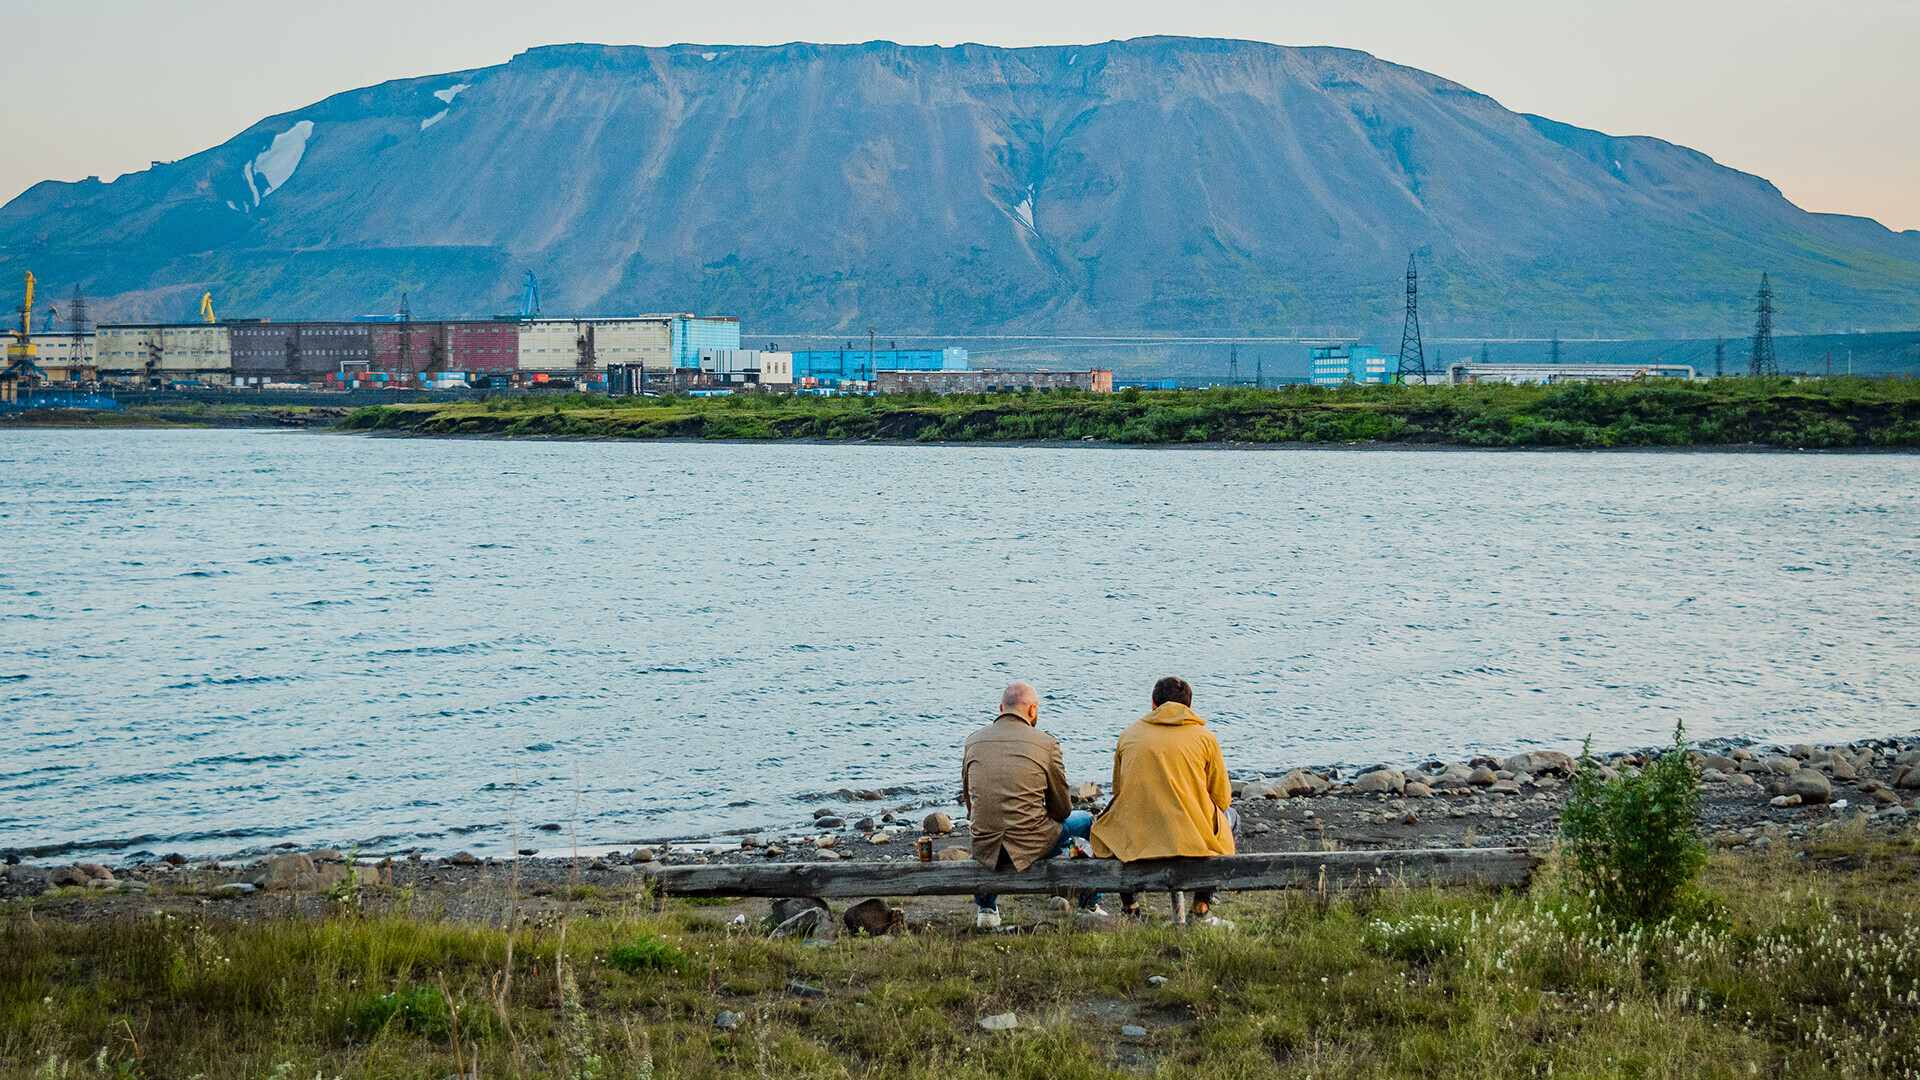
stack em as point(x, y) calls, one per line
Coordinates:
point(212, 641)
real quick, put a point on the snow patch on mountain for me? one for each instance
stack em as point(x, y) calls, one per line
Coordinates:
point(432, 120)
point(277, 162)
point(452, 92)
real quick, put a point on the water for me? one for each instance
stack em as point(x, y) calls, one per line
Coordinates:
point(213, 641)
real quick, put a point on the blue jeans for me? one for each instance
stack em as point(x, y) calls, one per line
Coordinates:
point(1079, 825)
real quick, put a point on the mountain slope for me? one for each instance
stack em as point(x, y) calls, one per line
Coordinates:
point(1161, 183)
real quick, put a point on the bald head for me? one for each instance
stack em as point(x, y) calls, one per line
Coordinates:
point(1021, 700)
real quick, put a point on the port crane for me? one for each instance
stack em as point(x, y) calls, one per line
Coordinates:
point(206, 308)
point(20, 366)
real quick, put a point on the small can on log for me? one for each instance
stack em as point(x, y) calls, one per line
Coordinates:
point(926, 849)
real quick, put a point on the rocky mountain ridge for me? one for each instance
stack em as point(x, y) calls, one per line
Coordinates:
point(1169, 184)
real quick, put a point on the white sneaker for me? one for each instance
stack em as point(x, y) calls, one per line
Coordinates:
point(986, 919)
point(1095, 910)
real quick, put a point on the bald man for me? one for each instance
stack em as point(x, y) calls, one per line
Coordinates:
point(1015, 789)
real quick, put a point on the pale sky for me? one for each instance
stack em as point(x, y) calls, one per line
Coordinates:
point(1822, 98)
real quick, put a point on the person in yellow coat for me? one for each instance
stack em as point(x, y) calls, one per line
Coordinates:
point(1171, 797)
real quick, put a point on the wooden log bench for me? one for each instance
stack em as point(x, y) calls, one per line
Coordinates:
point(1278, 870)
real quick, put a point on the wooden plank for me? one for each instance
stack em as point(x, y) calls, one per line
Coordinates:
point(1277, 870)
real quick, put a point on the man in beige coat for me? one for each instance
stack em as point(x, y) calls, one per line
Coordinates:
point(1014, 786)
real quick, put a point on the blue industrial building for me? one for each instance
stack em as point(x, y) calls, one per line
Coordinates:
point(692, 333)
point(1336, 365)
point(851, 363)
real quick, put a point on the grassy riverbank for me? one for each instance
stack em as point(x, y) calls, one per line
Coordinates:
point(1798, 965)
point(1821, 413)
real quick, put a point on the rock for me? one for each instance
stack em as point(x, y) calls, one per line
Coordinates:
point(1259, 828)
point(1726, 841)
point(1481, 776)
point(1883, 797)
point(641, 855)
point(65, 876)
point(880, 838)
point(1908, 778)
point(1907, 757)
point(280, 871)
point(1059, 904)
point(1294, 785)
point(872, 916)
point(1417, 790)
point(1721, 762)
point(937, 824)
point(174, 859)
point(809, 925)
point(1741, 781)
point(1801, 751)
point(1753, 766)
point(866, 824)
point(1377, 781)
point(786, 907)
point(828, 854)
point(1002, 1022)
point(1503, 787)
point(728, 1021)
point(326, 854)
point(823, 811)
point(867, 796)
point(1712, 776)
point(232, 889)
point(795, 986)
point(1784, 800)
point(830, 822)
point(1260, 790)
point(1781, 765)
point(1156, 980)
point(464, 858)
point(1810, 786)
point(1132, 1031)
point(953, 854)
point(1841, 768)
point(1085, 791)
point(18, 880)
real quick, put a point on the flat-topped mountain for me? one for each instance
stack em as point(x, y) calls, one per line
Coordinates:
point(1168, 184)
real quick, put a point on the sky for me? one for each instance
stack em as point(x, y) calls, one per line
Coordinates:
point(1822, 98)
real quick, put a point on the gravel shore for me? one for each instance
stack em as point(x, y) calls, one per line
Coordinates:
point(1752, 799)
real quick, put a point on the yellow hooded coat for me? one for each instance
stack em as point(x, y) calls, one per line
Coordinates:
point(1170, 791)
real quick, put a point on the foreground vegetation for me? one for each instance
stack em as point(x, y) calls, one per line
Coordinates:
point(1819, 413)
point(1790, 966)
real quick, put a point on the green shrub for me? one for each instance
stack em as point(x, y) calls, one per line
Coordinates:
point(420, 1010)
point(646, 954)
point(1632, 839)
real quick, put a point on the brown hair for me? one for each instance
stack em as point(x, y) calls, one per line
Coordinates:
point(1172, 689)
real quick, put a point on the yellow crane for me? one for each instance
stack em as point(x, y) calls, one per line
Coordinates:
point(21, 347)
point(206, 307)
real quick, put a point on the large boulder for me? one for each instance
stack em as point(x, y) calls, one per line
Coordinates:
point(1481, 776)
point(808, 924)
point(874, 916)
point(936, 824)
point(1908, 777)
point(1810, 785)
point(66, 876)
point(1841, 768)
point(1295, 784)
point(1781, 765)
point(1377, 781)
point(296, 872)
point(23, 881)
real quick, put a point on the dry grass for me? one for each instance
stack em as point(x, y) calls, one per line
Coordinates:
point(1797, 969)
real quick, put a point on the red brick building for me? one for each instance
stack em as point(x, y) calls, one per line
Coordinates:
point(446, 345)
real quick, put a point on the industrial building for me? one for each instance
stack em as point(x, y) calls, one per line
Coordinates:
point(748, 366)
point(1468, 371)
point(832, 366)
point(55, 354)
point(1337, 365)
point(659, 342)
point(265, 353)
point(1098, 380)
point(155, 354)
point(446, 345)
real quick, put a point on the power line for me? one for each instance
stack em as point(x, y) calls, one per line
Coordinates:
point(1413, 359)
